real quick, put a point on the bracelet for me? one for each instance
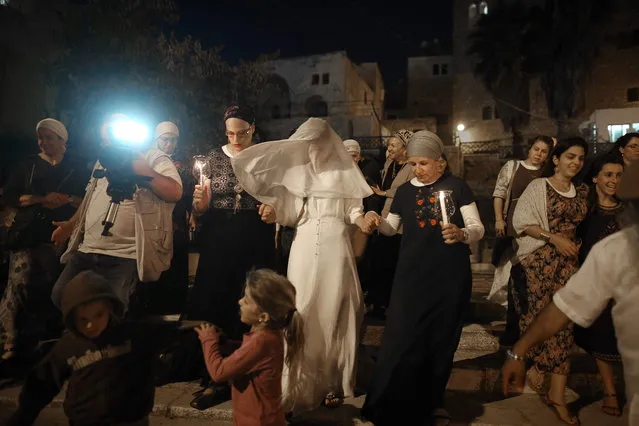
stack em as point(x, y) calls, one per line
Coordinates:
point(545, 236)
point(513, 356)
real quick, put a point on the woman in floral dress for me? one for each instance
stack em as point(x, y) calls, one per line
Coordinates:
point(546, 220)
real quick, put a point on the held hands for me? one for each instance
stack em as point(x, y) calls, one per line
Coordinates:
point(370, 223)
point(451, 233)
point(500, 228)
point(267, 213)
point(207, 330)
point(564, 245)
point(513, 373)
point(62, 232)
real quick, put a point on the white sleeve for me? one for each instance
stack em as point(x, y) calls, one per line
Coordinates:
point(165, 167)
point(472, 223)
point(354, 208)
point(390, 225)
point(588, 291)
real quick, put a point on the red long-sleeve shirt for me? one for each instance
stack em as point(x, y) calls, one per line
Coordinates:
point(255, 371)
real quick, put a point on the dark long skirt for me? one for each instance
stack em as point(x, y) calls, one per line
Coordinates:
point(231, 245)
point(422, 333)
point(600, 340)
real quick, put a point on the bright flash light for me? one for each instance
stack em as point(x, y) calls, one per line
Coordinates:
point(460, 127)
point(127, 130)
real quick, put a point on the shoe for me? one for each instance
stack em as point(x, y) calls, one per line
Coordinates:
point(574, 420)
point(218, 395)
point(611, 410)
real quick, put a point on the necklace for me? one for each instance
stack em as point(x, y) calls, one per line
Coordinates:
point(562, 187)
point(395, 171)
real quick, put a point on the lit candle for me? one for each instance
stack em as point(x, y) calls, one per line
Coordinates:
point(199, 165)
point(442, 207)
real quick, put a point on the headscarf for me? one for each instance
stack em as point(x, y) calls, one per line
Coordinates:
point(403, 135)
point(352, 145)
point(425, 144)
point(55, 126)
point(312, 162)
point(242, 112)
point(166, 127)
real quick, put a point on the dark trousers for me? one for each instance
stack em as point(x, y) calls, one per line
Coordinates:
point(121, 273)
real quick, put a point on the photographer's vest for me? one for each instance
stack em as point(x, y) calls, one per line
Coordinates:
point(153, 227)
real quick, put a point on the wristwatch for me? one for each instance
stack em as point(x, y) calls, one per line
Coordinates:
point(513, 356)
point(466, 234)
point(545, 236)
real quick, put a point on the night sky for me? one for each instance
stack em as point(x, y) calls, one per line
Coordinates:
point(367, 29)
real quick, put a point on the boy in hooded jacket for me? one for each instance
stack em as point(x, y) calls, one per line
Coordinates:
point(107, 362)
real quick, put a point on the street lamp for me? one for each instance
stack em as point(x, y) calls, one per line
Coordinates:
point(460, 127)
point(456, 138)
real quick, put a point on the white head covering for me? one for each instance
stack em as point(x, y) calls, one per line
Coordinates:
point(352, 145)
point(166, 127)
point(312, 162)
point(55, 126)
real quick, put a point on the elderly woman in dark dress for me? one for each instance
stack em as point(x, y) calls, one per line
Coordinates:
point(233, 238)
point(431, 289)
point(600, 340)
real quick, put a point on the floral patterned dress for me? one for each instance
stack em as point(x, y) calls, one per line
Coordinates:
point(547, 271)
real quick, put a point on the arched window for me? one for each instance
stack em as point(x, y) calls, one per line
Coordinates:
point(487, 113)
point(472, 12)
point(316, 106)
point(483, 8)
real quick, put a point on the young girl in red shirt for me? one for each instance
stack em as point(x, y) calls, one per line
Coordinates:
point(255, 369)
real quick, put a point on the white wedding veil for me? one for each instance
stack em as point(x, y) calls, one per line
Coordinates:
point(312, 162)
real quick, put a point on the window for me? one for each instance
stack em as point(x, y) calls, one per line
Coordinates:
point(615, 131)
point(326, 78)
point(315, 79)
point(392, 116)
point(365, 97)
point(435, 69)
point(633, 94)
point(276, 112)
point(444, 69)
point(487, 113)
point(472, 13)
point(483, 8)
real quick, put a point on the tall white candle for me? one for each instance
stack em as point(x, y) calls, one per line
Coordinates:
point(199, 166)
point(442, 206)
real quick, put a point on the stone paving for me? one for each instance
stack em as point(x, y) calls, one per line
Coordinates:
point(473, 390)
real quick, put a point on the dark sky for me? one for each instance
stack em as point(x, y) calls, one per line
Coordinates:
point(369, 30)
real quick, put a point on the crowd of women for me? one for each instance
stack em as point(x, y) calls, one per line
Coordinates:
point(548, 216)
point(549, 213)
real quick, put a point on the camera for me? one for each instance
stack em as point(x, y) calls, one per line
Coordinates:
point(116, 158)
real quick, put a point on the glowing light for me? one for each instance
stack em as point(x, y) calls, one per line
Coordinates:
point(460, 127)
point(127, 130)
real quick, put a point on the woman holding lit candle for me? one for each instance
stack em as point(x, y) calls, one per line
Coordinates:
point(431, 289)
point(233, 239)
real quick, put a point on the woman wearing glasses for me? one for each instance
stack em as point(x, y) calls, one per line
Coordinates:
point(233, 240)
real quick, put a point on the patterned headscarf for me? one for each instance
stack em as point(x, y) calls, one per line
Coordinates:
point(403, 135)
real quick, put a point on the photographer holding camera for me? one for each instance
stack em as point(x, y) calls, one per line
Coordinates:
point(136, 240)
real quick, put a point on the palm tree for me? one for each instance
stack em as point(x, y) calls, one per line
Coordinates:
point(556, 42)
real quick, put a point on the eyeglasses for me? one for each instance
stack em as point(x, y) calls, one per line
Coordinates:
point(239, 134)
point(166, 139)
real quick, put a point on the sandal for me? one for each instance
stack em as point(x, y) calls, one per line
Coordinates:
point(333, 400)
point(535, 380)
point(572, 420)
point(611, 410)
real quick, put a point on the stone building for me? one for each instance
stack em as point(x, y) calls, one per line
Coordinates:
point(349, 96)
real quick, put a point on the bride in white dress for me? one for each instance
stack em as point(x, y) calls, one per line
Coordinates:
point(313, 184)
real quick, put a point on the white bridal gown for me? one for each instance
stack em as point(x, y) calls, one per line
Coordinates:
point(313, 165)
